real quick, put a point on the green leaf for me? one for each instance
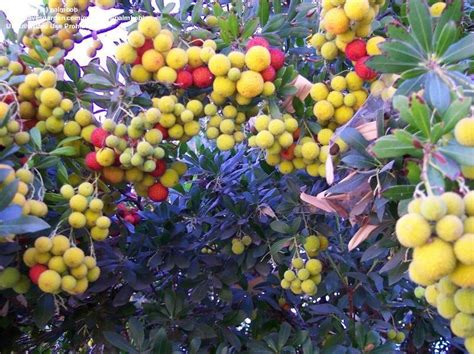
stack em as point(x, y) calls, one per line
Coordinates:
point(437, 93)
point(390, 146)
point(399, 192)
point(197, 12)
point(422, 115)
point(280, 226)
point(7, 194)
point(44, 310)
point(402, 52)
point(119, 342)
point(93, 79)
point(36, 137)
point(445, 38)
point(420, 21)
point(463, 155)
point(411, 85)
point(263, 12)
point(137, 332)
point(283, 334)
point(249, 28)
point(64, 151)
point(233, 25)
point(462, 49)
point(30, 61)
point(385, 64)
point(355, 140)
point(68, 140)
point(456, 111)
point(23, 225)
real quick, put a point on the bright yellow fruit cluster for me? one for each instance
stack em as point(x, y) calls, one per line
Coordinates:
point(342, 22)
point(68, 268)
point(337, 101)
point(440, 229)
point(86, 210)
point(225, 125)
point(239, 244)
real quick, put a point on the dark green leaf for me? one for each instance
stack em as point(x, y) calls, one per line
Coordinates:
point(44, 310)
point(23, 225)
point(119, 342)
point(421, 24)
point(137, 332)
point(445, 38)
point(437, 93)
point(456, 111)
point(462, 49)
point(8, 192)
point(390, 146)
point(422, 115)
point(249, 28)
point(463, 155)
point(263, 12)
point(197, 12)
point(399, 192)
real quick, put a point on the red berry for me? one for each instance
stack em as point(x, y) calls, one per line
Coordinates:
point(136, 219)
point(269, 74)
point(147, 45)
point(277, 58)
point(158, 192)
point(29, 123)
point(356, 50)
point(184, 79)
point(129, 218)
point(36, 271)
point(163, 130)
point(257, 41)
point(363, 70)
point(160, 168)
point(91, 161)
point(138, 61)
point(9, 98)
point(202, 77)
point(289, 153)
point(98, 137)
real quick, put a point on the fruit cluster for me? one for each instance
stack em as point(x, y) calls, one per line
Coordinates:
point(132, 152)
point(153, 55)
point(41, 103)
point(337, 102)
point(11, 278)
point(359, 51)
point(304, 277)
point(86, 210)
point(55, 265)
point(396, 336)
point(175, 120)
point(239, 244)
point(59, 32)
point(225, 126)
point(314, 244)
point(440, 229)
point(342, 21)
